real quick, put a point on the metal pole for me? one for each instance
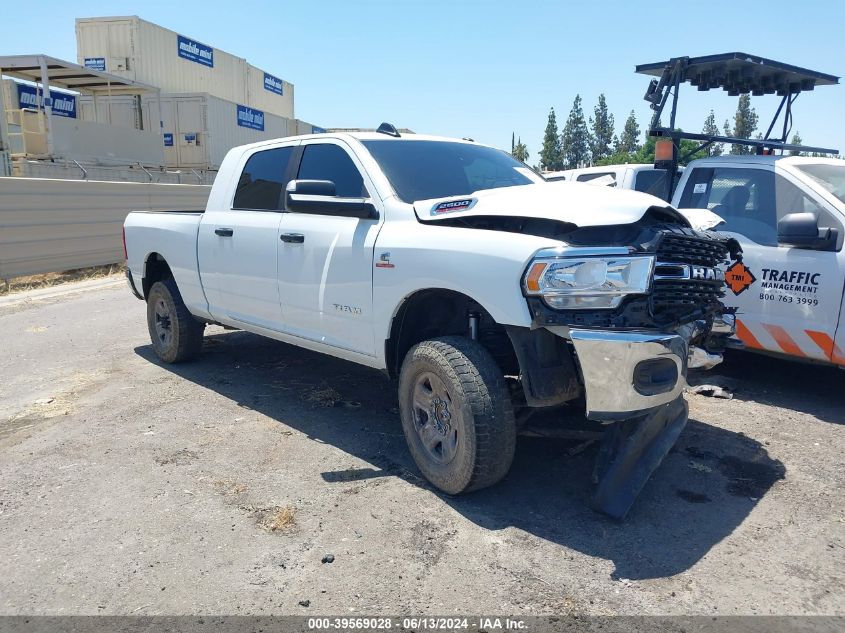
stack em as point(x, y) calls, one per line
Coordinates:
point(5, 149)
point(47, 103)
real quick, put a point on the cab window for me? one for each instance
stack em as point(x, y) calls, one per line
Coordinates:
point(744, 198)
point(325, 161)
point(751, 201)
point(595, 175)
point(261, 185)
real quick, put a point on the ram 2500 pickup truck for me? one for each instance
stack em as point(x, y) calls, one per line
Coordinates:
point(487, 292)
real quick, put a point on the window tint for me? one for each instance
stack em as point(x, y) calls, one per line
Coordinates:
point(421, 170)
point(262, 183)
point(330, 162)
point(653, 181)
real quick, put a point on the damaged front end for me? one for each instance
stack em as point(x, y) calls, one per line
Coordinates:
point(633, 320)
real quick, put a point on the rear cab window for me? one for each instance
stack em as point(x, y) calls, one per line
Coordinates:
point(261, 186)
point(607, 175)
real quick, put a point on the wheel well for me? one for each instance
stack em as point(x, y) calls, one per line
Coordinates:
point(155, 269)
point(437, 312)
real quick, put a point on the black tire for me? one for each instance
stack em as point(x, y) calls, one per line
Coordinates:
point(175, 333)
point(474, 424)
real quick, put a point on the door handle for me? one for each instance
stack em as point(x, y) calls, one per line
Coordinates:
point(224, 232)
point(293, 238)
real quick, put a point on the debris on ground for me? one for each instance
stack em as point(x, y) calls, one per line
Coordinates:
point(277, 518)
point(328, 558)
point(327, 397)
point(711, 391)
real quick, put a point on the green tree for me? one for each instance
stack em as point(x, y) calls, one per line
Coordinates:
point(745, 122)
point(601, 131)
point(519, 150)
point(796, 140)
point(551, 158)
point(575, 140)
point(629, 140)
point(711, 129)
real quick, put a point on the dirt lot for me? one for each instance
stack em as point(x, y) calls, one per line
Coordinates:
point(219, 486)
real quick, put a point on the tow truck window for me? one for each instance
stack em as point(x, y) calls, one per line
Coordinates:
point(422, 170)
point(831, 177)
point(326, 161)
point(654, 182)
point(262, 181)
point(751, 201)
point(744, 198)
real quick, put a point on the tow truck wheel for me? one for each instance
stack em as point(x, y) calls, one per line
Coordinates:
point(456, 414)
point(175, 333)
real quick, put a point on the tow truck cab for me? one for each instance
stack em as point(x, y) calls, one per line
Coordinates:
point(788, 214)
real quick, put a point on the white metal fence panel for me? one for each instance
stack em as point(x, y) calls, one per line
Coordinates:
point(53, 225)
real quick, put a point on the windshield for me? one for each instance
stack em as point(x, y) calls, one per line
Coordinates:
point(831, 177)
point(420, 170)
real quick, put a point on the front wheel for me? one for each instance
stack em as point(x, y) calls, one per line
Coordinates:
point(175, 333)
point(456, 414)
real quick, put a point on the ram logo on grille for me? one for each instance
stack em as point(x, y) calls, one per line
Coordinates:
point(672, 271)
point(703, 273)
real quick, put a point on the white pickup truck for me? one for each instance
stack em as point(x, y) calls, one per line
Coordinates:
point(788, 214)
point(449, 265)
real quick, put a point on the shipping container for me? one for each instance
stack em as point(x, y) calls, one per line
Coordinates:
point(136, 49)
point(269, 93)
point(198, 129)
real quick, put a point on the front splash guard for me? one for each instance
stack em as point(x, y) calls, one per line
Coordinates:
point(631, 451)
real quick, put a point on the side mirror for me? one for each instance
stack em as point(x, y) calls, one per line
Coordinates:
point(319, 197)
point(801, 230)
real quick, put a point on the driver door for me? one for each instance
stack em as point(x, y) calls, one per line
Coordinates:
point(325, 263)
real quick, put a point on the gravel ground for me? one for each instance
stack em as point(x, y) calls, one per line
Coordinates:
point(219, 487)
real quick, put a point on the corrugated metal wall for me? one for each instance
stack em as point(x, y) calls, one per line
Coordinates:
point(148, 53)
point(54, 225)
point(205, 128)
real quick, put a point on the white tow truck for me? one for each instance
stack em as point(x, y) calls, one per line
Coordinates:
point(787, 213)
point(486, 291)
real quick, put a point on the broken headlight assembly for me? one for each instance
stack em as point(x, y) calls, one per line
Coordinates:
point(587, 279)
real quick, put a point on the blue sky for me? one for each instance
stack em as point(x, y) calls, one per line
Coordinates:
point(477, 68)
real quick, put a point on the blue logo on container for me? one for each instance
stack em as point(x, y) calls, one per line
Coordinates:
point(250, 117)
point(62, 104)
point(195, 51)
point(317, 130)
point(95, 63)
point(273, 84)
point(168, 139)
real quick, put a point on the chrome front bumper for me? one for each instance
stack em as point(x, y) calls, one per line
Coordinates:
point(627, 373)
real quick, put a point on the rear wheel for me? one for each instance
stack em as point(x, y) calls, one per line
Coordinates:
point(456, 414)
point(176, 335)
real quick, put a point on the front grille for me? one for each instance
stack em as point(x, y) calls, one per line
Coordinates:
point(675, 300)
point(688, 249)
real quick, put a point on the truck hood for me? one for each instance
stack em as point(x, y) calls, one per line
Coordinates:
point(573, 203)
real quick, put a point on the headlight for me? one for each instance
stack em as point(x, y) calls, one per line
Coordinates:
point(572, 283)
